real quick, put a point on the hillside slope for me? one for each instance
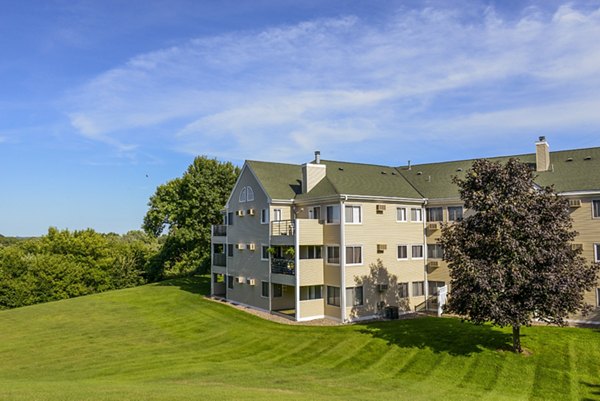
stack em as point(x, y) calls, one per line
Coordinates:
point(165, 342)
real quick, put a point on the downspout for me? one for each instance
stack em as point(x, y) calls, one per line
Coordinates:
point(297, 265)
point(343, 259)
point(426, 280)
point(270, 257)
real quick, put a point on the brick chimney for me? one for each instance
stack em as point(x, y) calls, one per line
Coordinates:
point(542, 155)
point(313, 173)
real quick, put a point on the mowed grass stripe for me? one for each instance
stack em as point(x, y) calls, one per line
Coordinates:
point(166, 342)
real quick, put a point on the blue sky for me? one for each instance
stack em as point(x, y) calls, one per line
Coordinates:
point(101, 101)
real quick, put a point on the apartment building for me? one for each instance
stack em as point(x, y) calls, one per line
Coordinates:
point(347, 241)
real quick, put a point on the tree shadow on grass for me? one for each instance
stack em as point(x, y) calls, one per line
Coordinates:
point(440, 335)
point(196, 285)
point(594, 391)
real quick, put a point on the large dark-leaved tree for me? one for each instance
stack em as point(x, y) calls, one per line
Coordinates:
point(510, 260)
point(183, 210)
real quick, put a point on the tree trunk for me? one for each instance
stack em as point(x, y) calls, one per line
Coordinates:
point(517, 339)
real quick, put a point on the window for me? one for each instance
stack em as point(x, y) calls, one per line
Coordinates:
point(455, 213)
point(596, 209)
point(435, 214)
point(354, 296)
point(230, 250)
point(418, 289)
point(264, 252)
point(264, 216)
point(401, 214)
point(276, 215)
point(250, 195)
point(277, 290)
point(314, 213)
point(597, 252)
point(333, 296)
point(310, 252)
point(230, 218)
point(435, 251)
point(311, 292)
point(417, 251)
point(353, 215)
point(432, 287)
point(597, 296)
point(353, 255)
point(416, 214)
point(333, 214)
point(333, 255)
point(230, 282)
point(403, 290)
point(265, 289)
point(402, 251)
point(243, 195)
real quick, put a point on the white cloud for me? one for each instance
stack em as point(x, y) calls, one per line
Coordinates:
point(335, 83)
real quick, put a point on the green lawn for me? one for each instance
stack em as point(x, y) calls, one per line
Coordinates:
point(165, 342)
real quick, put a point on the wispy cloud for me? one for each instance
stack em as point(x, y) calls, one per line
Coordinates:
point(340, 84)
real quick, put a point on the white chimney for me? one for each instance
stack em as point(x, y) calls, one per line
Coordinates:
point(313, 173)
point(542, 155)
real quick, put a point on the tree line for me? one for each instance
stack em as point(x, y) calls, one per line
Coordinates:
point(175, 241)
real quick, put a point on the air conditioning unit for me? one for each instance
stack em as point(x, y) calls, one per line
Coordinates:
point(251, 281)
point(380, 208)
point(576, 247)
point(381, 248)
point(250, 212)
point(240, 247)
point(382, 287)
point(574, 202)
point(433, 226)
point(433, 264)
point(240, 279)
point(239, 213)
point(252, 247)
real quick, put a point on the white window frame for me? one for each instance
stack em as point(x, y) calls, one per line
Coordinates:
point(399, 245)
point(455, 207)
point(334, 222)
point(327, 295)
point(597, 252)
point(412, 288)
point(422, 252)
point(407, 289)
point(242, 197)
point(278, 211)
point(440, 208)
point(405, 214)
point(249, 194)
point(264, 216)
point(311, 213)
point(362, 255)
point(327, 254)
point(261, 252)
point(592, 204)
point(420, 209)
point(351, 298)
point(436, 244)
point(359, 207)
point(598, 296)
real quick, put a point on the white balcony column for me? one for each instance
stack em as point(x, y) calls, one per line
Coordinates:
point(297, 265)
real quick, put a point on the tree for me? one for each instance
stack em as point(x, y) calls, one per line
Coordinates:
point(511, 260)
point(185, 208)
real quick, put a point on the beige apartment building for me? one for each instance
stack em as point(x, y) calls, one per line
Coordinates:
point(350, 241)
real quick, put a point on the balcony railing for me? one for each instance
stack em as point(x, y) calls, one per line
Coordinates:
point(219, 231)
point(282, 227)
point(283, 266)
point(219, 259)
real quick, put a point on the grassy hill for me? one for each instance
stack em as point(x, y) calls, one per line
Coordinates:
point(164, 342)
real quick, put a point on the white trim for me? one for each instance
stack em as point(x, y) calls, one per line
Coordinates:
point(327, 255)
point(266, 215)
point(422, 251)
point(261, 253)
point(275, 209)
point(596, 253)
point(314, 317)
point(579, 193)
point(334, 222)
point(592, 205)
point(343, 263)
point(406, 209)
point(297, 266)
point(458, 206)
point(402, 259)
point(381, 198)
point(422, 215)
point(249, 191)
point(243, 195)
point(578, 321)
point(362, 253)
point(360, 214)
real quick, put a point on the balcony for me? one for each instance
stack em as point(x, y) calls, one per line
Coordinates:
point(283, 266)
point(219, 259)
point(219, 231)
point(283, 232)
point(283, 227)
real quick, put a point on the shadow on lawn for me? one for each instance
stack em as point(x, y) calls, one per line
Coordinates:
point(196, 285)
point(594, 389)
point(440, 335)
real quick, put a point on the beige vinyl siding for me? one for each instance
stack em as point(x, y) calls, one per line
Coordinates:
point(311, 272)
point(286, 301)
point(313, 308)
point(311, 232)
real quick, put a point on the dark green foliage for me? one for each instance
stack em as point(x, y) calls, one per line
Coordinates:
point(511, 261)
point(185, 208)
point(64, 264)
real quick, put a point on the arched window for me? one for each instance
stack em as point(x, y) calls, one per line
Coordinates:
point(250, 196)
point(243, 195)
